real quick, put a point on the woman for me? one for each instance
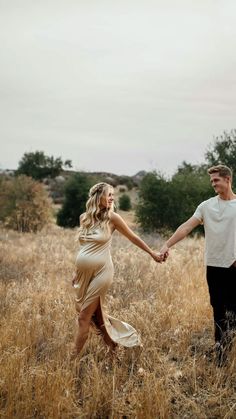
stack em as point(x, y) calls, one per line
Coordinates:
point(94, 269)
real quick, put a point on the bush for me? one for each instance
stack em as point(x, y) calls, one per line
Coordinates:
point(24, 204)
point(76, 195)
point(126, 180)
point(153, 201)
point(124, 202)
point(165, 204)
point(189, 187)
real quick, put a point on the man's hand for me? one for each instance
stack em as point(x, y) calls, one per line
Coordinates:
point(164, 252)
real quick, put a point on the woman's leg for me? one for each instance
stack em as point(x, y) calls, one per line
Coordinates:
point(84, 320)
point(99, 323)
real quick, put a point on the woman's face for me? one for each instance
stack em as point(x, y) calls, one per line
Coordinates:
point(107, 198)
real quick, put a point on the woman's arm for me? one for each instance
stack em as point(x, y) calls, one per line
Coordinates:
point(121, 226)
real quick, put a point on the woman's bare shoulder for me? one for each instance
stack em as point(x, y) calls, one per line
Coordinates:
point(115, 218)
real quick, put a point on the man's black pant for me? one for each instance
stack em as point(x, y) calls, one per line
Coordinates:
point(222, 289)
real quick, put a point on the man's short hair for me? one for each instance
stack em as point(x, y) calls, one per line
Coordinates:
point(224, 171)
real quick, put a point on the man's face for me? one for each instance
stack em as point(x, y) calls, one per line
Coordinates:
point(219, 183)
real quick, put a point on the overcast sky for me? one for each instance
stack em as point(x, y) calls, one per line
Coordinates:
point(117, 86)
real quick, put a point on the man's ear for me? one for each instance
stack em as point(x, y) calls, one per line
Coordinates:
point(229, 179)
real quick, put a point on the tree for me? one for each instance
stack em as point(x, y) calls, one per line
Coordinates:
point(124, 202)
point(38, 165)
point(153, 201)
point(24, 204)
point(223, 151)
point(165, 204)
point(76, 195)
point(189, 186)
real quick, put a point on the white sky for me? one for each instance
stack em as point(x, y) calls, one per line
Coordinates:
point(117, 86)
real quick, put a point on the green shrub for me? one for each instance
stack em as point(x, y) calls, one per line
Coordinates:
point(124, 202)
point(76, 195)
point(165, 204)
point(153, 201)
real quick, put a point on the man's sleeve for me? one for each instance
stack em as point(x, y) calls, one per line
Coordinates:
point(199, 212)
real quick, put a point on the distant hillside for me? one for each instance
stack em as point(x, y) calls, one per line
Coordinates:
point(121, 183)
point(111, 177)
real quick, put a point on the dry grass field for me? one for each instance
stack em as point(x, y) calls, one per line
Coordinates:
point(168, 304)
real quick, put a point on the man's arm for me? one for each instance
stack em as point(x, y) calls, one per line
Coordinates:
point(182, 231)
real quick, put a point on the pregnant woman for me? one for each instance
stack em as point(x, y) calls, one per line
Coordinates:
point(94, 270)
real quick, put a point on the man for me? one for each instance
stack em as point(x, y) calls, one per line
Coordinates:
point(218, 215)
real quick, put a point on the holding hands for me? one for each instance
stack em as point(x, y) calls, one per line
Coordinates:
point(160, 256)
point(157, 257)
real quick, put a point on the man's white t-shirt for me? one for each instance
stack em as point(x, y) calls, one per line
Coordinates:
point(219, 219)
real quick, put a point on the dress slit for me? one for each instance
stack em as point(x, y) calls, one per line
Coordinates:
point(98, 321)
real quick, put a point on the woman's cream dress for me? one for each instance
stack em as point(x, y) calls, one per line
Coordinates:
point(94, 276)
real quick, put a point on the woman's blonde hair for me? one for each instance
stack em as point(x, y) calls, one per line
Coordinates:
point(95, 215)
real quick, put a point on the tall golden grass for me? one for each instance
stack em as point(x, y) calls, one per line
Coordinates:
point(168, 304)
